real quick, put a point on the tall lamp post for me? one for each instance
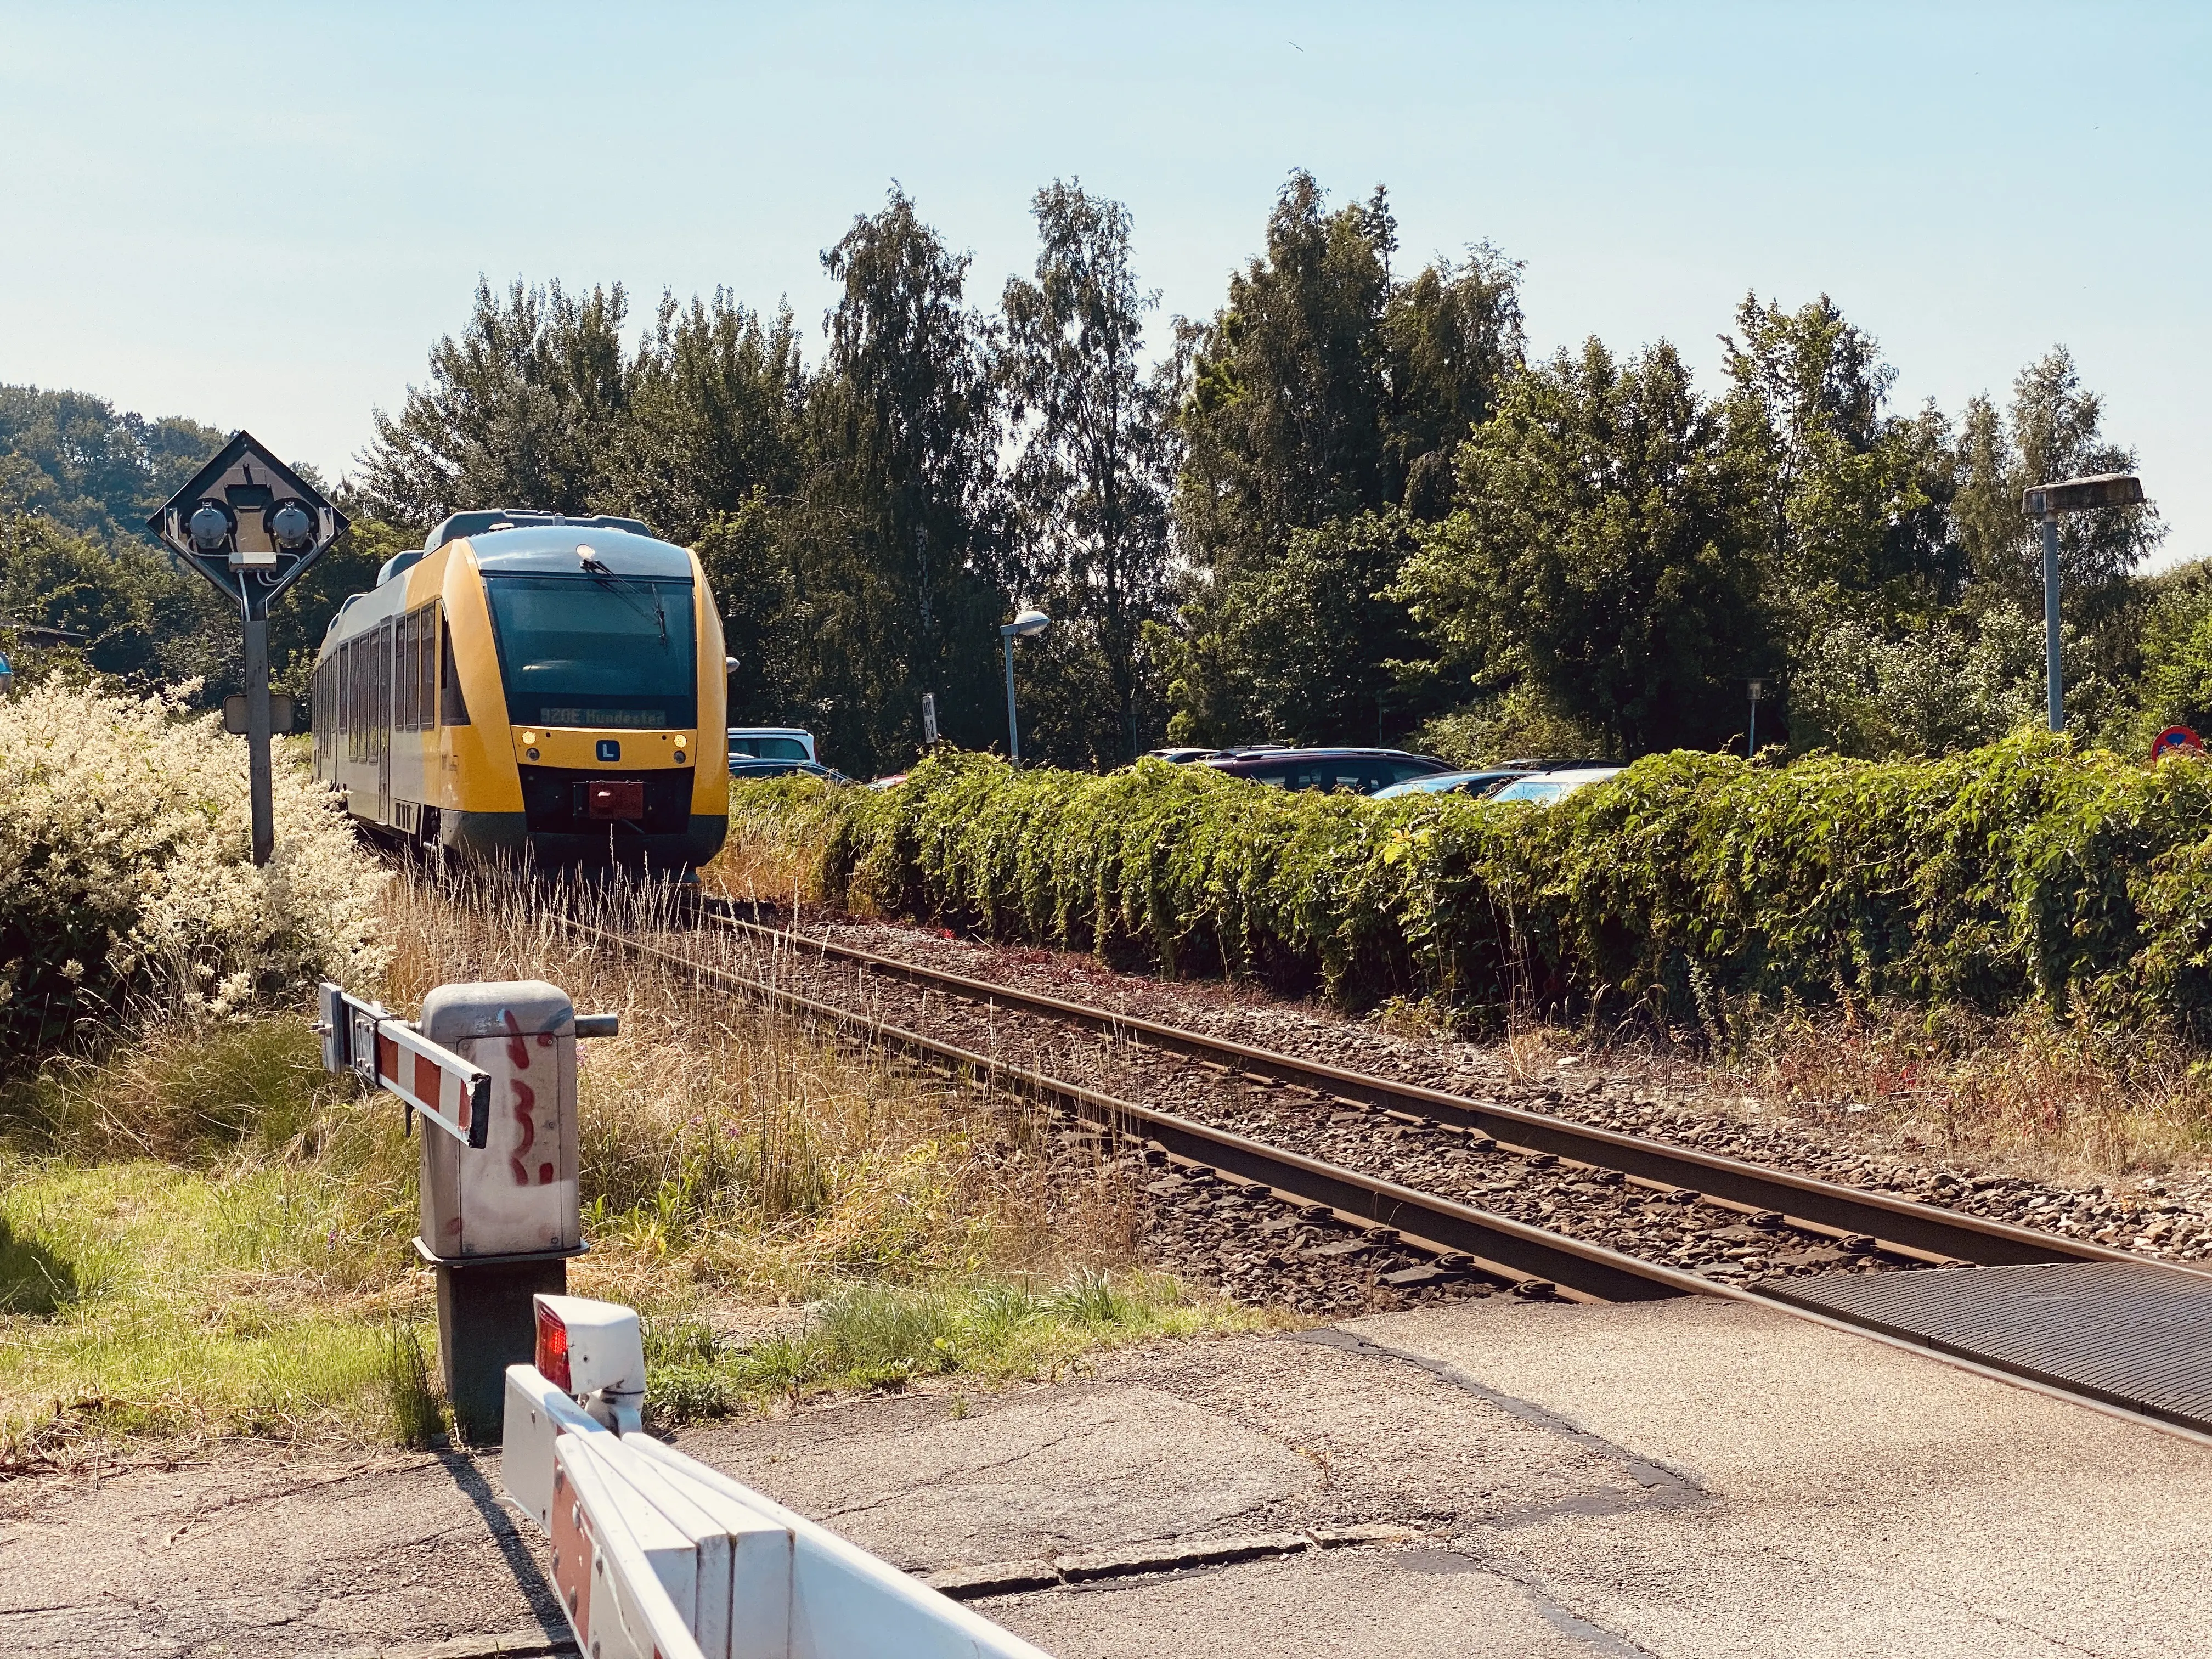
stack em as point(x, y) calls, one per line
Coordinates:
point(2044, 502)
point(1025, 622)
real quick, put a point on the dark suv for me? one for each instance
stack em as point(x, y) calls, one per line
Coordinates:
point(1363, 771)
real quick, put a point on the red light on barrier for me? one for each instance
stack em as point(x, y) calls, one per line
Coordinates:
point(552, 1349)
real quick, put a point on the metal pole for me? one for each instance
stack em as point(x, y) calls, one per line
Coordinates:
point(1751, 740)
point(2051, 670)
point(1013, 732)
point(257, 732)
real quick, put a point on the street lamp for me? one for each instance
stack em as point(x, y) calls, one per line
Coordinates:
point(2044, 502)
point(1025, 622)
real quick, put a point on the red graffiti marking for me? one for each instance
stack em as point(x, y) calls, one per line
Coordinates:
point(517, 1049)
point(524, 1100)
point(545, 1175)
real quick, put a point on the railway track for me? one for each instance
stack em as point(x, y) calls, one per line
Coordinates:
point(1877, 1238)
point(1901, 1228)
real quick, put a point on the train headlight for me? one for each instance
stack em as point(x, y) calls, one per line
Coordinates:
point(529, 737)
point(682, 742)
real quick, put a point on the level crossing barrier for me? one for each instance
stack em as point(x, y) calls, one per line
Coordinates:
point(491, 1067)
point(658, 1556)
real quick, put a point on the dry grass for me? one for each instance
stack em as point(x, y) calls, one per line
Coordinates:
point(2054, 1096)
point(205, 1235)
point(731, 1148)
point(2058, 1099)
point(759, 865)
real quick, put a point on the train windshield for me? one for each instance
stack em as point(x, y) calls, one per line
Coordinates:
point(595, 650)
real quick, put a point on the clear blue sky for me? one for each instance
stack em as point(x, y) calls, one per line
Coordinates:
point(263, 217)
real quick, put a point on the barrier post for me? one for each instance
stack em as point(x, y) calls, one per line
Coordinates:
point(493, 1067)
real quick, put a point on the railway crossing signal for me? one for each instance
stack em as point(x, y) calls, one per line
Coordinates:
point(251, 526)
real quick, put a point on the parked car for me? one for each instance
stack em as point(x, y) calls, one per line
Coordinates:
point(772, 743)
point(1363, 771)
point(744, 766)
point(1542, 789)
point(1487, 781)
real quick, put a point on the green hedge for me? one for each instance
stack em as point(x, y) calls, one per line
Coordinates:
point(1986, 879)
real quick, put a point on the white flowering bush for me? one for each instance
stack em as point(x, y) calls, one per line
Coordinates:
point(125, 873)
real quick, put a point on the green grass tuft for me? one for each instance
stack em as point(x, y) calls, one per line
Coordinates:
point(887, 1337)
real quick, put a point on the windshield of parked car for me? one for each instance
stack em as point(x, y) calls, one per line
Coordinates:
point(1536, 789)
point(587, 650)
point(769, 748)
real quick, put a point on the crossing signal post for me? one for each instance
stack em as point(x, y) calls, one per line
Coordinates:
point(250, 525)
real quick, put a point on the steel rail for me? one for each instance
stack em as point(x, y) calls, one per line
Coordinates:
point(1925, 1231)
point(1495, 1244)
point(1533, 1258)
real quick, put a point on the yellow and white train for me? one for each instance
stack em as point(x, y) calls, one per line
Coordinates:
point(531, 684)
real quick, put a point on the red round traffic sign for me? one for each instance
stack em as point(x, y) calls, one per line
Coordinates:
point(2175, 740)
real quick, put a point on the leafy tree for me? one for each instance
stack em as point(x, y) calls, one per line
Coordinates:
point(746, 554)
point(1450, 337)
point(713, 405)
point(1855, 498)
point(1089, 486)
point(1601, 551)
point(1323, 392)
point(1292, 620)
point(1957, 683)
point(73, 457)
point(2053, 429)
point(522, 411)
point(893, 547)
point(122, 608)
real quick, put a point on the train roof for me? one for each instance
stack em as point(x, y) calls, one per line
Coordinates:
point(483, 520)
point(558, 549)
point(524, 544)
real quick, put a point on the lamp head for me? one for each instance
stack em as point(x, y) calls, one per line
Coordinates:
point(292, 526)
point(211, 526)
point(1026, 623)
point(2082, 494)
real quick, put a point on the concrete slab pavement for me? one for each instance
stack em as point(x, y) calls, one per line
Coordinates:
point(254, 1552)
point(1862, 1499)
point(1682, 1479)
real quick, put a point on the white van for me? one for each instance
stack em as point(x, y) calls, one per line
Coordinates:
point(772, 743)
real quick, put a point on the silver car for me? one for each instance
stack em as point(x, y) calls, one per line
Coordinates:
point(1545, 787)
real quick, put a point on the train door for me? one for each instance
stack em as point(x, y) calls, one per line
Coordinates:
point(383, 725)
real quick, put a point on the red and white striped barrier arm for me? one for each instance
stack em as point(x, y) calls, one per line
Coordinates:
point(659, 1556)
point(387, 1053)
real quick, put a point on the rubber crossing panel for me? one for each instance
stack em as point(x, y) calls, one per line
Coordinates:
point(2132, 1335)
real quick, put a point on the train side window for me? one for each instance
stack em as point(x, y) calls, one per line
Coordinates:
point(454, 708)
point(426, 668)
point(402, 712)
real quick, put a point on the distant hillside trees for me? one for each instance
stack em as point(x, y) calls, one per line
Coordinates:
point(70, 458)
